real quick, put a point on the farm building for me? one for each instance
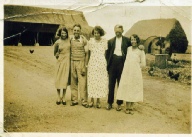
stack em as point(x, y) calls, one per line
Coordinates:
point(158, 35)
point(156, 45)
point(147, 44)
point(34, 25)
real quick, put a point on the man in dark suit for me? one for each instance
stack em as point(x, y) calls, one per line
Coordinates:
point(115, 56)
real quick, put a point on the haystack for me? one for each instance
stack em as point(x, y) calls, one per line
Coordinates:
point(155, 27)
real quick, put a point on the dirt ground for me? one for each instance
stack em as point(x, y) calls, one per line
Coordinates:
point(30, 96)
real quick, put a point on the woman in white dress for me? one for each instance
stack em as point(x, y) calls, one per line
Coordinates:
point(97, 81)
point(131, 83)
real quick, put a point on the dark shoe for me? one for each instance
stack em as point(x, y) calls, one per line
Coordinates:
point(64, 103)
point(109, 106)
point(85, 104)
point(118, 108)
point(58, 102)
point(74, 103)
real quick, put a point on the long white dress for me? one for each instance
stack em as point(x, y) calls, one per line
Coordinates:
point(131, 83)
point(97, 80)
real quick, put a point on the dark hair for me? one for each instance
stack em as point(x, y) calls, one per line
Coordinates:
point(136, 37)
point(62, 29)
point(77, 25)
point(118, 26)
point(99, 29)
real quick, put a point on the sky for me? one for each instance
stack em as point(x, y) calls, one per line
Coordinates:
point(125, 12)
point(107, 15)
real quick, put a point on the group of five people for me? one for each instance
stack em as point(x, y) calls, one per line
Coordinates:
point(93, 67)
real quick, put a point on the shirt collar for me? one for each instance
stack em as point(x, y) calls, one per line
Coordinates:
point(119, 38)
point(79, 39)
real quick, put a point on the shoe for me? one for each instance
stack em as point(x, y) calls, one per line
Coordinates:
point(85, 105)
point(64, 103)
point(118, 108)
point(98, 105)
point(58, 102)
point(74, 103)
point(91, 104)
point(109, 106)
point(129, 111)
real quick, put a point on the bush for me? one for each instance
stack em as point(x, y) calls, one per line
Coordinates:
point(177, 39)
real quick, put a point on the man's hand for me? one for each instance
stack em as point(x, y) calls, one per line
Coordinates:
point(141, 47)
point(57, 55)
point(83, 71)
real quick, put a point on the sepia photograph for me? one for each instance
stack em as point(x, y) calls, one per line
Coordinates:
point(115, 67)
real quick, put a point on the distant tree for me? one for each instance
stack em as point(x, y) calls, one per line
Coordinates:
point(178, 39)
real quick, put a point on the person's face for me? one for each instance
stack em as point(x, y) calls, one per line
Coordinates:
point(97, 35)
point(133, 41)
point(118, 32)
point(63, 34)
point(76, 31)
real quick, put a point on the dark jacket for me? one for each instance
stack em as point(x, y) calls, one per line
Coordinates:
point(111, 47)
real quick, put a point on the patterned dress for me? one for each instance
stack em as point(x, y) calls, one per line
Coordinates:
point(97, 73)
point(63, 64)
point(131, 84)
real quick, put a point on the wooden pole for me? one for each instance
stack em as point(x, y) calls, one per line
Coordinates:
point(37, 42)
point(19, 44)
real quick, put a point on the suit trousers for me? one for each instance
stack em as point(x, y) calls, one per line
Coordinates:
point(115, 70)
point(78, 82)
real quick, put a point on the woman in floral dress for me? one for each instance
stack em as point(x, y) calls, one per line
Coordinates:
point(97, 81)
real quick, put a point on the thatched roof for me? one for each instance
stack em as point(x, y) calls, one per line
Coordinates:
point(45, 15)
point(39, 24)
point(154, 27)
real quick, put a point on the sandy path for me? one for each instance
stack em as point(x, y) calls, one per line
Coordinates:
point(29, 102)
